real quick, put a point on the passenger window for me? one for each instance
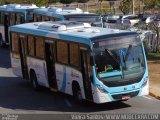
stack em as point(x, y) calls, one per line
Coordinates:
point(2, 18)
point(40, 47)
point(18, 18)
point(39, 18)
point(12, 19)
point(31, 46)
point(62, 52)
point(35, 17)
point(15, 42)
point(74, 55)
point(47, 18)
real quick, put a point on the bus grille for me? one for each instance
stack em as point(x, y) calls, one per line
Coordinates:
point(131, 94)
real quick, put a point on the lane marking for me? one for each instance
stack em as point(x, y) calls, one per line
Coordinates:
point(68, 103)
point(147, 97)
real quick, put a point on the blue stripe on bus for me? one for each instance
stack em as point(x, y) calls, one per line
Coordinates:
point(64, 79)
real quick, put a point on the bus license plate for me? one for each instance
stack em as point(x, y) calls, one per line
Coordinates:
point(126, 97)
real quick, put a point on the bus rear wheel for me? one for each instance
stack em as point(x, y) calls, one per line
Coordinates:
point(33, 80)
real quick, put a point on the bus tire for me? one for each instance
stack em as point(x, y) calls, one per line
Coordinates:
point(77, 92)
point(33, 80)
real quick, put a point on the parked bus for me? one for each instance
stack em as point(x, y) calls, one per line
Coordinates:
point(91, 63)
point(13, 14)
point(66, 13)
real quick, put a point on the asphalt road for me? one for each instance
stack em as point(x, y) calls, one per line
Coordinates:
point(18, 98)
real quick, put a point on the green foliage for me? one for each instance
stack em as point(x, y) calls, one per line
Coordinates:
point(154, 56)
point(67, 1)
point(39, 2)
point(83, 1)
point(54, 1)
point(125, 6)
point(150, 4)
point(102, 11)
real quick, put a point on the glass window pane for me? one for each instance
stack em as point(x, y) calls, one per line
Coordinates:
point(74, 54)
point(62, 52)
point(39, 47)
point(12, 19)
point(15, 40)
point(35, 18)
point(31, 45)
point(2, 18)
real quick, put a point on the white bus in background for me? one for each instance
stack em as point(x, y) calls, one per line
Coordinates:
point(13, 14)
point(91, 63)
point(66, 13)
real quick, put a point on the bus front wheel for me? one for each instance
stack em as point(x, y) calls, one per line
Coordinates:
point(77, 92)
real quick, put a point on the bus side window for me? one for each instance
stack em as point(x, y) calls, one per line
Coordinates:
point(62, 52)
point(18, 18)
point(74, 54)
point(43, 18)
point(35, 17)
point(12, 19)
point(31, 44)
point(46, 18)
point(39, 47)
point(15, 42)
point(2, 18)
point(39, 18)
point(52, 19)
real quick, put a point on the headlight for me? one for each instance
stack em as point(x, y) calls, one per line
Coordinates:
point(101, 89)
point(145, 82)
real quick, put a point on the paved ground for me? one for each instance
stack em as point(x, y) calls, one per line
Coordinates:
point(17, 97)
point(154, 78)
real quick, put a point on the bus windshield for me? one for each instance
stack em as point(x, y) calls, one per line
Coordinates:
point(119, 58)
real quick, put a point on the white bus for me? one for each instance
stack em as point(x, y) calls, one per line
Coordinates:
point(96, 64)
point(13, 14)
point(66, 13)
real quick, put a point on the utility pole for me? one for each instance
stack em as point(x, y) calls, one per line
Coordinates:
point(133, 7)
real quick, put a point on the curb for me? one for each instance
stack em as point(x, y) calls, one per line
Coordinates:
point(154, 95)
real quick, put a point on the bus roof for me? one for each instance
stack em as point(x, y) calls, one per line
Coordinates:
point(17, 7)
point(61, 12)
point(68, 30)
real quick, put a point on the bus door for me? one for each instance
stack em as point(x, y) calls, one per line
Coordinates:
point(6, 25)
point(23, 54)
point(50, 61)
point(85, 64)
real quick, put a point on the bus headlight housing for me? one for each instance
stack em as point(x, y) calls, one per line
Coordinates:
point(145, 81)
point(101, 89)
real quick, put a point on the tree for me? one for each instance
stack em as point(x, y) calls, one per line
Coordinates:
point(125, 6)
point(150, 4)
point(67, 1)
point(54, 1)
point(39, 2)
point(111, 3)
point(83, 1)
